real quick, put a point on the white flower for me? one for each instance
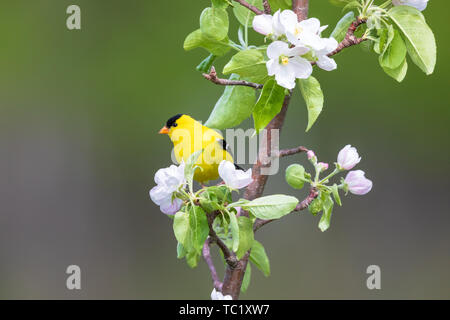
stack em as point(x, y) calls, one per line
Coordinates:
point(268, 25)
point(418, 4)
point(234, 178)
point(323, 61)
point(168, 180)
point(348, 157)
point(303, 33)
point(357, 183)
point(217, 295)
point(286, 64)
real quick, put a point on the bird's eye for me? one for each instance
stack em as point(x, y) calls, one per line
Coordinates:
point(175, 124)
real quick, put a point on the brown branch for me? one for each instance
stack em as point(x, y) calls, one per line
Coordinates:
point(289, 152)
point(212, 76)
point(313, 193)
point(233, 276)
point(300, 7)
point(207, 256)
point(350, 38)
point(249, 6)
point(230, 256)
point(267, 9)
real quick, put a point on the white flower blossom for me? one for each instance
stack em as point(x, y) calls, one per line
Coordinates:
point(304, 33)
point(357, 183)
point(217, 295)
point(270, 26)
point(348, 157)
point(234, 178)
point(323, 61)
point(168, 180)
point(418, 4)
point(287, 64)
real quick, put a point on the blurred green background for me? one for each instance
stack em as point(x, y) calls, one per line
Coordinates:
point(80, 111)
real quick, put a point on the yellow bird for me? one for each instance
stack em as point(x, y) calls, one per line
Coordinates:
point(189, 136)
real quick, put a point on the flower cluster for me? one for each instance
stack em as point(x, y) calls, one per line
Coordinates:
point(295, 45)
point(171, 181)
point(347, 159)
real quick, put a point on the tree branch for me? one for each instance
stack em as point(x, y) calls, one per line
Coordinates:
point(350, 38)
point(289, 152)
point(207, 256)
point(230, 256)
point(212, 76)
point(249, 6)
point(313, 193)
point(300, 7)
point(267, 9)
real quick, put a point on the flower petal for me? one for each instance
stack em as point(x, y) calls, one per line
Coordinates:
point(277, 48)
point(302, 68)
point(263, 24)
point(326, 63)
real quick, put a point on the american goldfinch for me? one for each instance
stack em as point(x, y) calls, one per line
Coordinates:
point(189, 136)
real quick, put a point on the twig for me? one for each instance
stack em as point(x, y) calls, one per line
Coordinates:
point(212, 76)
point(230, 256)
point(267, 9)
point(350, 38)
point(300, 7)
point(289, 152)
point(249, 6)
point(207, 256)
point(313, 193)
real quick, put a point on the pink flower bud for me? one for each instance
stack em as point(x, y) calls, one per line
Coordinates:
point(357, 183)
point(310, 154)
point(323, 166)
point(348, 157)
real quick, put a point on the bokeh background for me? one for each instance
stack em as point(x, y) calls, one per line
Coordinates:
point(80, 111)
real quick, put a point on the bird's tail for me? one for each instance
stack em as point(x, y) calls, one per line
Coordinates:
point(238, 167)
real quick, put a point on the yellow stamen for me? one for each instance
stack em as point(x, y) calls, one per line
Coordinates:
point(284, 60)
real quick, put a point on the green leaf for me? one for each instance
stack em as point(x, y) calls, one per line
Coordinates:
point(247, 277)
point(259, 257)
point(192, 258)
point(398, 73)
point(234, 230)
point(214, 23)
point(196, 39)
point(313, 96)
point(316, 206)
point(249, 64)
point(268, 105)
point(234, 106)
point(206, 64)
point(325, 220)
point(395, 53)
point(181, 228)
point(222, 4)
point(199, 227)
point(419, 38)
point(335, 192)
point(181, 252)
point(246, 236)
point(244, 15)
point(190, 168)
point(271, 207)
point(342, 26)
point(295, 176)
point(276, 5)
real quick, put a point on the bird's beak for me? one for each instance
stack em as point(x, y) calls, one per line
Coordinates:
point(164, 130)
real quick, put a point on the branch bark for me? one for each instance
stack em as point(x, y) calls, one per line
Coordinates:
point(350, 38)
point(266, 5)
point(212, 76)
point(234, 276)
point(207, 256)
point(249, 6)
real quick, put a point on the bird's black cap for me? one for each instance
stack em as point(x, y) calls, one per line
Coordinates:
point(171, 122)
